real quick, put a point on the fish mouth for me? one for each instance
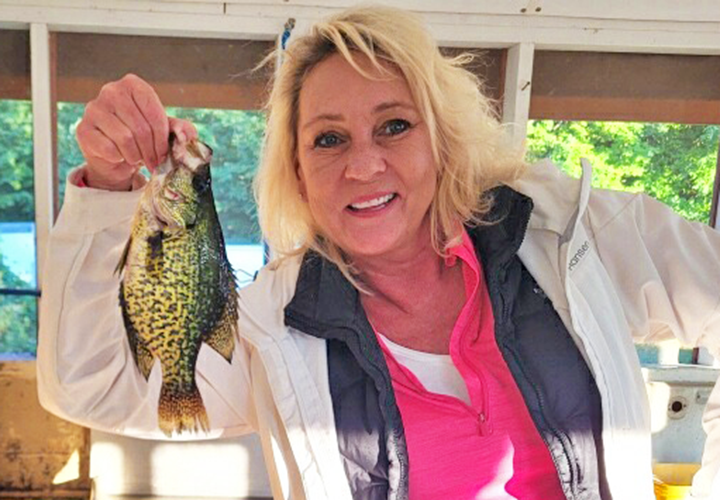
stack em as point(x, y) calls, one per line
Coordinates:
point(160, 212)
point(169, 183)
point(162, 200)
point(171, 195)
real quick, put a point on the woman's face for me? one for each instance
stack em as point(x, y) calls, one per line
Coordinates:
point(366, 167)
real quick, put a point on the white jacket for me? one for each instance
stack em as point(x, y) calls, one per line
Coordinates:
point(618, 268)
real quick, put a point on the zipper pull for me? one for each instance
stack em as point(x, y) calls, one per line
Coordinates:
point(485, 427)
point(539, 291)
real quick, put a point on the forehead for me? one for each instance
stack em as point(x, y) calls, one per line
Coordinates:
point(334, 86)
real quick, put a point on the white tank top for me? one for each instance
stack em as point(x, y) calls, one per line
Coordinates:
point(436, 372)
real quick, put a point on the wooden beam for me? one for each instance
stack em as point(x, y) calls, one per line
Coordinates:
point(689, 111)
point(194, 72)
point(518, 85)
point(634, 87)
point(14, 64)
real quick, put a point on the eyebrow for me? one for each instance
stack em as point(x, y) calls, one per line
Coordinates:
point(383, 106)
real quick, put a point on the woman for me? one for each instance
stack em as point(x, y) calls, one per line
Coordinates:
point(428, 331)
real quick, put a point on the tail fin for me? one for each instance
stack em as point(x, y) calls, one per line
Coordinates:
point(181, 409)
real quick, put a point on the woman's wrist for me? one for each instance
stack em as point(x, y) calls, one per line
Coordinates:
point(89, 179)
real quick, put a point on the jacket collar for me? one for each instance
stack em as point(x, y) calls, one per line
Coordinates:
point(557, 195)
point(498, 241)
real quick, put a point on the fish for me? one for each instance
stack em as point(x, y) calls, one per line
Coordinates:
point(177, 287)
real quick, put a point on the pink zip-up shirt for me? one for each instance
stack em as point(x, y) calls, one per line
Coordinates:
point(490, 449)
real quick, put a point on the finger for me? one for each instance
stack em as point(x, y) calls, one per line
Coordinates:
point(176, 127)
point(115, 130)
point(114, 171)
point(148, 103)
point(94, 143)
point(127, 112)
point(186, 127)
point(102, 174)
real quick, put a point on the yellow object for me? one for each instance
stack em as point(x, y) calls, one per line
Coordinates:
point(673, 481)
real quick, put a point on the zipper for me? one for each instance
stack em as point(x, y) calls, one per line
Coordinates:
point(411, 385)
point(485, 426)
point(301, 324)
point(482, 420)
point(560, 435)
point(573, 467)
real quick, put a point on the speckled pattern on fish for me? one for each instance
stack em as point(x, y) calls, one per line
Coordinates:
point(178, 288)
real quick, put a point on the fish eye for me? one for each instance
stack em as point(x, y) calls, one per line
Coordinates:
point(201, 183)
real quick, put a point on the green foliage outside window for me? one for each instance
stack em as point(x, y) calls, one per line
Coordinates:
point(18, 314)
point(673, 163)
point(16, 161)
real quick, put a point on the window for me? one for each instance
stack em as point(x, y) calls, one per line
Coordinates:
point(646, 122)
point(18, 279)
point(212, 85)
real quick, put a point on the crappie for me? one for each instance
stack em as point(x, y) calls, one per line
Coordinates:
point(178, 288)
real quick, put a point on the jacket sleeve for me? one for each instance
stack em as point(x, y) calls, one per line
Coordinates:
point(668, 275)
point(86, 373)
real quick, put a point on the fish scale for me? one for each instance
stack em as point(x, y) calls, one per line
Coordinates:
point(178, 289)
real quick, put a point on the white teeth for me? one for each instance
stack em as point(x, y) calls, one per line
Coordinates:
point(373, 203)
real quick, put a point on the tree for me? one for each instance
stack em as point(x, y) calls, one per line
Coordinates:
point(18, 316)
point(674, 163)
point(16, 162)
point(236, 138)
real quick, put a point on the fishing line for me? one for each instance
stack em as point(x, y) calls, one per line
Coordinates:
point(281, 46)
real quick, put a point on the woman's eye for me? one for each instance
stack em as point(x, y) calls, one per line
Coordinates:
point(395, 127)
point(327, 141)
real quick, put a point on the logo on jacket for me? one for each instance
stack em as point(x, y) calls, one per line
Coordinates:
point(582, 251)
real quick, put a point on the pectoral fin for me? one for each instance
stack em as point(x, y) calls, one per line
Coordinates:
point(123, 258)
point(222, 337)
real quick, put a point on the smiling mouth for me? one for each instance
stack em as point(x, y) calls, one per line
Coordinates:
point(374, 204)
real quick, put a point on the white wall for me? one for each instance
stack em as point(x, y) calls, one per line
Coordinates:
point(612, 25)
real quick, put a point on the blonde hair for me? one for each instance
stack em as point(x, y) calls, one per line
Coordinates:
point(469, 145)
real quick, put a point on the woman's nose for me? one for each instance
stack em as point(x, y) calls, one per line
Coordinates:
point(365, 162)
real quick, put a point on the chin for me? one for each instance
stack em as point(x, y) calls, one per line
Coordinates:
point(370, 246)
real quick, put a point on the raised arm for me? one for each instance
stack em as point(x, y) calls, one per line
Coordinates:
point(668, 272)
point(86, 371)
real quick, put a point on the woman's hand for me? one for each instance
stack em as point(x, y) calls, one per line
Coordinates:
point(124, 127)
